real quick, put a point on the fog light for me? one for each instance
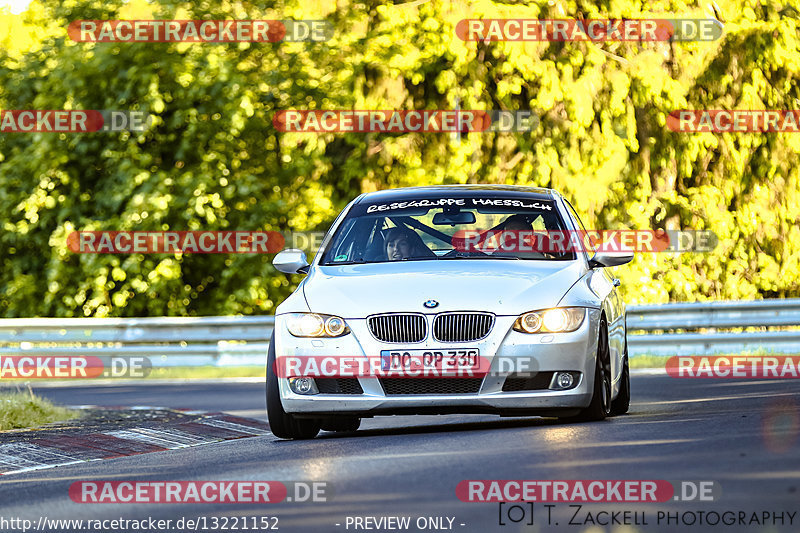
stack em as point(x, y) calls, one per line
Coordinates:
point(303, 385)
point(563, 380)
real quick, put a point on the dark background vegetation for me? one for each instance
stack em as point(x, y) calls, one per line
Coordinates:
point(213, 160)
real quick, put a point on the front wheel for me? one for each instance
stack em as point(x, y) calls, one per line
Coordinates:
point(282, 424)
point(622, 402)
point(600, 407)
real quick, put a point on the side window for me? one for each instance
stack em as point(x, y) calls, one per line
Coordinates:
point(589, 243)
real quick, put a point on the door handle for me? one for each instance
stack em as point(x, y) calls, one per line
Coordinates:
point(616, 282)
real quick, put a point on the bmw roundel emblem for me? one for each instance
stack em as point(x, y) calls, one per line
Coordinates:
point(430, 304)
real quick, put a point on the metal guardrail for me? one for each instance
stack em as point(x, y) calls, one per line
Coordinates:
point(167, 341)
point(697, 326)
point(684, 329)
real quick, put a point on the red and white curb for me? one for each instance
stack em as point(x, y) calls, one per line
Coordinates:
point(54, 450)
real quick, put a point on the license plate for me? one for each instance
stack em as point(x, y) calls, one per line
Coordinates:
point(446, 360)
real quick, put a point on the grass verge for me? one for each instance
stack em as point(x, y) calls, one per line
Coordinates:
point(659, 361)
point(20, 409)
point(206, 372)
point(648, 361)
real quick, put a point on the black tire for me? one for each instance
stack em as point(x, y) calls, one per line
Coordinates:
point(341, 423)
point(622, 402)
point(282, 424)
point(600, 406)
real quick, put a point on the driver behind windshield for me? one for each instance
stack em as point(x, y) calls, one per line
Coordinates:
point(517, 223)
point(517, 233)
point(403, 243)
point(509, 239)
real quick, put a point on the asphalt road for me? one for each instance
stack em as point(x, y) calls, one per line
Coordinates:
point(743, 435)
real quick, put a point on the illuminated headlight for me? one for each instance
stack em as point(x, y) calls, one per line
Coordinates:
point(558, 320)
point(316, 325)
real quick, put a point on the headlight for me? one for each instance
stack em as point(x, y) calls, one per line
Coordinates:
point(316, 325)
point(558, 320)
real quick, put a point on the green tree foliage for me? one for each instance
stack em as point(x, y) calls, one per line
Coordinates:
point(213, 160)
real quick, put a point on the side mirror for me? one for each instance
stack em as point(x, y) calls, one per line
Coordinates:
point(610, 259)
point(291, 261)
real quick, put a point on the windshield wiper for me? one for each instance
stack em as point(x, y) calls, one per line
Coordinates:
point(340, 263)
point(379, 261)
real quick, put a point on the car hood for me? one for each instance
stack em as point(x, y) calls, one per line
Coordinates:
point(502, 287)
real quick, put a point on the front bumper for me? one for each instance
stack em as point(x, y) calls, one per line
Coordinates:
point(559, 352)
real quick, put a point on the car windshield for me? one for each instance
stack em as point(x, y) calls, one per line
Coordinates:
point(448, 228)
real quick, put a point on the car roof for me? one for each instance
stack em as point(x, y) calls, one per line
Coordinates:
point(467, 191)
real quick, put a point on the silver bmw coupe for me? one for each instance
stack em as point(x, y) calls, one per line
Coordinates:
point(449, 299)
